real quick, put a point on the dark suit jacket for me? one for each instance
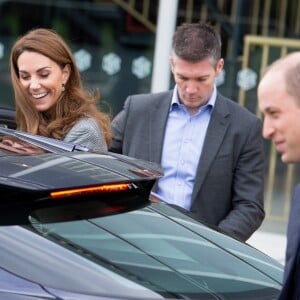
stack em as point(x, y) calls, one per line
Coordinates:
point(229, 184)
point(291, 286)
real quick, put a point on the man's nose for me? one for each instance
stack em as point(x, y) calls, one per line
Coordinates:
point(268, 129)
point(191, 87)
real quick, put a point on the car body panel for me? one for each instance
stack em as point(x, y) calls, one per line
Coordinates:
point(36, 259)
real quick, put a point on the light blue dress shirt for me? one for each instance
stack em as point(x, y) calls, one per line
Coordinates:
point(183, 143)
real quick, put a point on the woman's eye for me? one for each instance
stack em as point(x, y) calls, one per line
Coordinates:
point(44, 75)
point(24, 77)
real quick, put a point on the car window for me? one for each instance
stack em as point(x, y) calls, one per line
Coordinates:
point(13, 145)
point(248, 254)
point(151, 249)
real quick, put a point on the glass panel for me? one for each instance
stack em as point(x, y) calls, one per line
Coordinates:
point(10, 145)
point(153, 250)
point(249, 254)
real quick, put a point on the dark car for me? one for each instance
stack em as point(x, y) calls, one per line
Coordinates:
point(75, 224)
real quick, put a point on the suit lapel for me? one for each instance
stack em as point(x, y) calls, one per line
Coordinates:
point(158, 119)
point(216, 130)
point(293, 233)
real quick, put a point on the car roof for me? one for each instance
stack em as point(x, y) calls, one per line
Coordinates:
point(52, 171)
point(56, 164)
point(35, 170)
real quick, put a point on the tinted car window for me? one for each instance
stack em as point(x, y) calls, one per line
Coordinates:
point(248, 254)
point(12, 145)
point(152, 249)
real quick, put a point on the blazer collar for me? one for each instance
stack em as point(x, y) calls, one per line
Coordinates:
point(216, 131)
point(159, 112)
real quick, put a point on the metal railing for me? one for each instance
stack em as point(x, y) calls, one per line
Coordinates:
point(141, 11)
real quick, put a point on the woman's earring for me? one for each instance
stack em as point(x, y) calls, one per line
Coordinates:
point(63, 88)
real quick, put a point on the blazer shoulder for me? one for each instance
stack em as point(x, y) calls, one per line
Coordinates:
point(135, 103)
point(233, 108)
point(86, 124)
point(152, 97)
point(87, 133)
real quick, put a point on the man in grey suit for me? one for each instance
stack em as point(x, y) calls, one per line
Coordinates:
point(210, 148)
point(279, 100)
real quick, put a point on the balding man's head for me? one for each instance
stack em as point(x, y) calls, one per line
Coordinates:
point(287, 69)
point(279, 101)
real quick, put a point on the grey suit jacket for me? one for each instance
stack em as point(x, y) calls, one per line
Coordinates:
point(229, 184)
point(86, 132)
point(291, 287)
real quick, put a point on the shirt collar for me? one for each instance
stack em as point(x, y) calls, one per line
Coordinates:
point(211, 102)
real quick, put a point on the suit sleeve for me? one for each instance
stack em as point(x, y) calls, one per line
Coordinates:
point(118, 128)
point(247, 211)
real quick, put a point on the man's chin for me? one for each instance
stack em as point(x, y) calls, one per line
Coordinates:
point(287, 159)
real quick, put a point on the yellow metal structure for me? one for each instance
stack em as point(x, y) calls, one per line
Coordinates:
point(259, 52)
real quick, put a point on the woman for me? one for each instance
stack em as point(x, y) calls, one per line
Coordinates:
point(49, 96)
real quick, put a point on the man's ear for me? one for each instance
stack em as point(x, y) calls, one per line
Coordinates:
point(219, 67)
point(171, 59)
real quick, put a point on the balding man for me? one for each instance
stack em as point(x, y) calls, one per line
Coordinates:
point(279, 101)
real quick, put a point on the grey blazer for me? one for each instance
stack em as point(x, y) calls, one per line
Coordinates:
point(229, 184)
point(86, 132)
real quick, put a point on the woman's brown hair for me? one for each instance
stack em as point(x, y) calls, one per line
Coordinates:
point(74, 103)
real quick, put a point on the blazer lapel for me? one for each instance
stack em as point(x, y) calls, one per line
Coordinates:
point(293, 232)
point(214, 137)
point(158, 119)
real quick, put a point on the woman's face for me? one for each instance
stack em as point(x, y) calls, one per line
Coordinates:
point(42, 79)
